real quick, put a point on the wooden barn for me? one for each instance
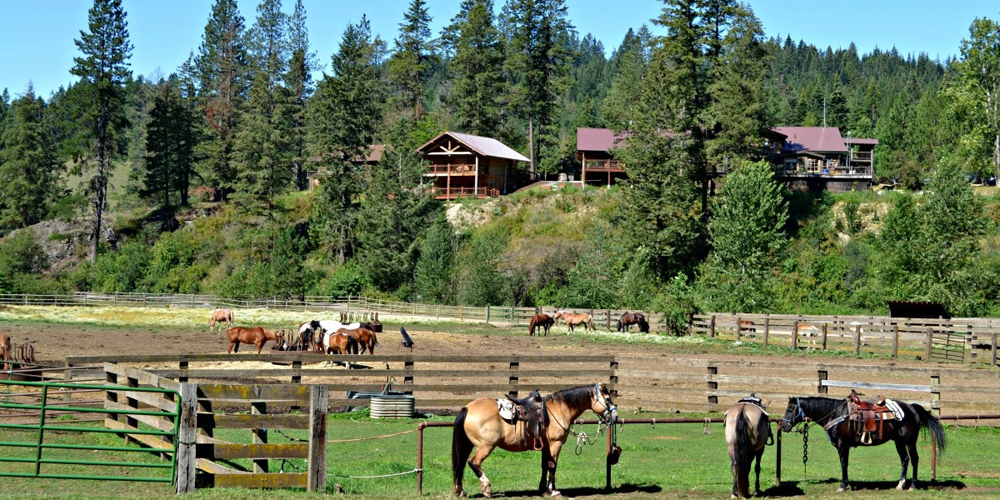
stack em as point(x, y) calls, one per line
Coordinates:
point(464, 165)
point(595, 151)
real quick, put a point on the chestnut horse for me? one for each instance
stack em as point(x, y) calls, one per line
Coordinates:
point(365, 337)
point(5, 353)
point(340, 343)
point(255, 335)
point(629, 318)
point(543, 321)
point(480, 426)
point(219, 316)
point(572, 320)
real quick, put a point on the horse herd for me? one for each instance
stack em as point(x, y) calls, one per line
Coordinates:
point(544, 322)
point(326, 336)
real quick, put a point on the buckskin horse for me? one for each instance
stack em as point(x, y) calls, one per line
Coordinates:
point(747, 433)
point(254, 335)
point(628, 319)
point(543, 321)
point(219, 316)
point(845, 430)
point(479, 425)
point(572, 320)
point(5, 353)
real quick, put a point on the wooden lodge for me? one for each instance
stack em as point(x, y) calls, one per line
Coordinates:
point(464, 165)
point(820, 158)
point(595, 152)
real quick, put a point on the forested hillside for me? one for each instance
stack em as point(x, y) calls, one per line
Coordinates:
point(197, 182)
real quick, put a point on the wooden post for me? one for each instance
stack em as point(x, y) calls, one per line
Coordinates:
point(259, 436)
point(111, 397)
point(613, 379)
point(187, 437)
point(767, 329)
point(795, 334)
point(607, 459)
point(895, 341)
point(777, 459)
point(739, 328)
point(935, 394)
point(711, 327)
point(713, 385)
point(930, 338)
point(609, 319)
point(132, 403)
point(857, 340)
point(512, 392)
point(487, 314)
point(822, 375)
point(319, 398)
point(993, 349)
point(408, 378)
point(826, 332)
point(183, 364)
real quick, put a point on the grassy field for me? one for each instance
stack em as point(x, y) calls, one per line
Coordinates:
point(666, 461)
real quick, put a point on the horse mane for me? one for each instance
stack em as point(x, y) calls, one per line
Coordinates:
point(823, 407)
point(574, 397)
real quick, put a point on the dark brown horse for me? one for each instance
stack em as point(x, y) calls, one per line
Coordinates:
point(629, 318)
point(365, 337)
point(254, 335)
point(834, 415)
point(480, 426)
point(543, 321)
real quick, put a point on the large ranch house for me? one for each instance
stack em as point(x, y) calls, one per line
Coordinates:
point(463, 165)
point(806, 158)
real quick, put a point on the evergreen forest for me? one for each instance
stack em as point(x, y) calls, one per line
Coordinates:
point(238, 174)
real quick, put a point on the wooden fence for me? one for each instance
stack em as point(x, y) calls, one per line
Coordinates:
point(436, 382)
point(199, 450)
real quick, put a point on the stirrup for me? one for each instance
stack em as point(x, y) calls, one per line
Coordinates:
point(868, 435)
point(538, 444)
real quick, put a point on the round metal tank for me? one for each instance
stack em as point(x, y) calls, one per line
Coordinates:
point(392, 406)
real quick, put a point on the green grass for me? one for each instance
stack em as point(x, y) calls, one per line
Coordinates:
point(665, 461)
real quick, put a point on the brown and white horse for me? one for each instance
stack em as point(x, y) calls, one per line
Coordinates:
point(480, 426)
point(219, 316)
point(365, 337)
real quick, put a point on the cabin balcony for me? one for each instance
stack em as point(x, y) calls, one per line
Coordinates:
point(450, 169)
point(604, 166)
point(833, 172)
point(864, 157)
point(455, 192)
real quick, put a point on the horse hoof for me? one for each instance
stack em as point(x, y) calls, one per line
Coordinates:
point(487, 491)
point(555, 493)
point(841, 489)
point(900, 485)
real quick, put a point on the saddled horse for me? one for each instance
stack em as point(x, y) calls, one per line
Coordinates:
point(834, 415)
point(572, 320)
point(543, 321)
point(5, 352)
point(219, 316)
point(480, 426)
point(747, 433)
point(252, 335)
point(629, 318)
point(365, 337)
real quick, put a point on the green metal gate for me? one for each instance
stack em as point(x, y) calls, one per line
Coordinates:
point(44, 427)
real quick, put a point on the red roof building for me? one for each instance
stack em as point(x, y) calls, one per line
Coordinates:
point(820, 158)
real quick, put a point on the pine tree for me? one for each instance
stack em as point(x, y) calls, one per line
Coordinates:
point(980, 70)
point(408, 66)
point(261, 145)
point(104, 70)
point(478, 66)
point(221, 66)
point(297, 89)
point(344, 116)
point(448, 41)
point(29, 181)
point(169, 147)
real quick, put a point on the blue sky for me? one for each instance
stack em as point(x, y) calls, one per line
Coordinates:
point(36, 41)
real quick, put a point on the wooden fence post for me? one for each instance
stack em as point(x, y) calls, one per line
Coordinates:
point(739, 328)
point(993, 350)
point(777, 459)
point(713, 385)
point(826, 331)
point(487, 315)
point(822, 375)
point(767, 329)
point(795, 334)
point(319, 398)
point(857, 340)
point(895, 341)
point(514, 364)
point(930, 338)
point(936, 394)
point(183, 365)
point(259, 435)
point(711, 328)
point(613, 379)
point(187, 437)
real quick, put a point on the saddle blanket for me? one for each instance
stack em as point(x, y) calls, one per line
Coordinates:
point(506, 409)
point(897, 411)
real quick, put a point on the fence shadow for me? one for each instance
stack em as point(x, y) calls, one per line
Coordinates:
point(588, 491)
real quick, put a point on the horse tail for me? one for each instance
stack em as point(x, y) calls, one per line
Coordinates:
point(744, 453)
point(461, 448)
point(931, 423)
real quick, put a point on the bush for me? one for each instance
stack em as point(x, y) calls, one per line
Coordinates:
point(122, 271)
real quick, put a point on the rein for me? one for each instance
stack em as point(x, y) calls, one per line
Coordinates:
point(582, 438)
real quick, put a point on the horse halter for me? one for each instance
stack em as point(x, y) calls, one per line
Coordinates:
point(609, 409)
point(799, 416)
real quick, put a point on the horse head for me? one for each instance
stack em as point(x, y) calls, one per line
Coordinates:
point(603, 404)
point(793, 415)
point(619, 325)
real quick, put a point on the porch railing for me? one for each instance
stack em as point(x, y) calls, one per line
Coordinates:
point(443, 193)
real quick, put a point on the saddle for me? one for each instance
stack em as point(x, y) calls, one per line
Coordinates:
point(530, 410)
point(868, 416)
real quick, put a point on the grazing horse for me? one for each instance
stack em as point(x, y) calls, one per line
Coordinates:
point(628, 319)
point(365, 337)
point(543, 321)
point(5, 353)
point(480, 426)
point(219, 316)
point(340, 343)
point(842, 429)
point(747, 433)
point(255, 335)
point(572, 320)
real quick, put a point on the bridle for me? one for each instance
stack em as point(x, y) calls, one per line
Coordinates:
point(609, 409)
point(799, 415)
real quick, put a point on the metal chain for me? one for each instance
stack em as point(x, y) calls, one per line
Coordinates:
point(805, 446)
